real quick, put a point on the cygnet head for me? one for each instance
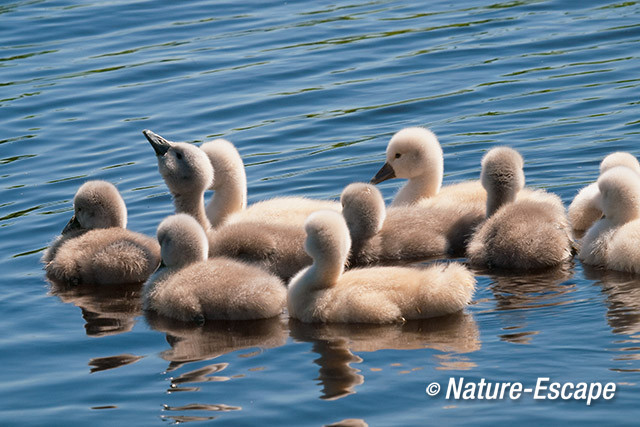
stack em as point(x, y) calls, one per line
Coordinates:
point(184, 167)
point(363, 209)
point(97, 204)
point(620, 194)
point(327, 237)
point(182, 241)
point(619, 158)
point(412, 152)
point(502, 176)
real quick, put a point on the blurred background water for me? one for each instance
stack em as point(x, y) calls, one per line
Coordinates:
point(310, 92)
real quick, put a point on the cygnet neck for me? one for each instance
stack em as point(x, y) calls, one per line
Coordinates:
point(229, 197)
point(230, 181)
point(326, 270)
point(419, 187)
point(496, 198)
point(192, 204)
point(328, 244)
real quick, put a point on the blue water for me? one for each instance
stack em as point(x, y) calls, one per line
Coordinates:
point(310, 92)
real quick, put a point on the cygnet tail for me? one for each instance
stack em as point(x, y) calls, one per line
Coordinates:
point(450, 290)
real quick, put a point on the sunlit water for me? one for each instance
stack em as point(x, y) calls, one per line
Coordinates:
point(310, 92)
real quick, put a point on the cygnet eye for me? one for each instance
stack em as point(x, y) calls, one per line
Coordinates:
point(398, 155)
point(179, 156)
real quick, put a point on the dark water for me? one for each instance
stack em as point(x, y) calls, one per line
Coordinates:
point(310, 92)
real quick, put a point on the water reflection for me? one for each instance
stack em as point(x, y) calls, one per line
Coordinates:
point(349, 422)
point(111, 362)
point(179, 419)
point(107, 310)
point(335, 343)
point(623, 298)
point(517, 293)
point(622, 292)
point(190, 342)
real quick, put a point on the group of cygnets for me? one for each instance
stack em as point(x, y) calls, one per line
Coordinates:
point(329, 261)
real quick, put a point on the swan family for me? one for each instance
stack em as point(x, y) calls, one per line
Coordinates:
point(342, 261)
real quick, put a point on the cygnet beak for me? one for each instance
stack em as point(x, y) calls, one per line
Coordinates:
point(72, 225)
point(386, 172)
point(159, 144)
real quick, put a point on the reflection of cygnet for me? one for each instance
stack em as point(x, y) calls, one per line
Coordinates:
point(403, 233)
point(613, 242)
point(192, 287)
point(179, 163)
point(528, 233)
point(325, 293)
point(414, 153)
point(95, 247)
point(584, 210)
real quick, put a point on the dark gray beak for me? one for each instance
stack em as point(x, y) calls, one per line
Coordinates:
point(72, 225)
point(386, 172)
point(159, 144)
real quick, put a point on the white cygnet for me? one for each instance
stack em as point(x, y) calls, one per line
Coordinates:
point(524, 230)
point(613, 242)
point(584, 210)
point(229, 201)
point(274, 245)
point(324, 292)
point(95, 247)
point(404, 233)
point(414, 153)
point(190, 287)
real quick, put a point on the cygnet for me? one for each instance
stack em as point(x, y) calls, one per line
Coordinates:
point(324, 292)
point(190, 287)
point(584, 210)
point(95, 247)
point(404, 233)
point(613, 242)
point(523, 232)
point(414, 153)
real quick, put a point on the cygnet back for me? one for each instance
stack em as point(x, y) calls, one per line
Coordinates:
point(524, 232)
point(407, 233)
